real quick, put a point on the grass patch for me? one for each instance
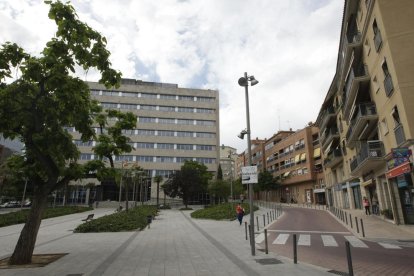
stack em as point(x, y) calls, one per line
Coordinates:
point(21, 216)
point(135, 218)
point(225, 211)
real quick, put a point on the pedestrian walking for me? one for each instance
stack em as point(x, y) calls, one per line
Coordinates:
point(365, 202)
point(375, 206)
point(239, 213)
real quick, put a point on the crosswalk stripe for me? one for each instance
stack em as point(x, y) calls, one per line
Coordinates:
point(281, 239)
point(355, 242)
point(389, 246)
point(329, 240)
point(304, 240)
point(260, 238)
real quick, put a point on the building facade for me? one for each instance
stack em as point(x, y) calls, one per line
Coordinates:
point(294, 160)
point(173, 125)
point(228, 158)
point(367, 119)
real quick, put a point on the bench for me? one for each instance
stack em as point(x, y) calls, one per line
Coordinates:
point(89, 217)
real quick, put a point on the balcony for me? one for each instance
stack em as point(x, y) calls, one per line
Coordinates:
point(328, 115)
point(328, 136)
point(333, 158)
point(369, 158)
point(365, 120)
point(388, 85)
point(399, 134)
point(354, 39)
point(356, 77)
point(377, 40)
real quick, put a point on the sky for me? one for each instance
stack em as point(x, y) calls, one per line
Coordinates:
point(289, 46)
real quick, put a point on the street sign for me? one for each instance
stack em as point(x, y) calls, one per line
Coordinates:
point(249, 175)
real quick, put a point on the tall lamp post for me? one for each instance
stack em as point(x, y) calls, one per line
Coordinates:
point(244, 81)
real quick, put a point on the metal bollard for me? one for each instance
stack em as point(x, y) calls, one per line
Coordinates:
point(257, 223)
point(267, 217)
point(266, 246)
point(250, 232)
point(362, 229)
point(346, 218)
point(356, 223)
point(350, 220)
point(349, 258)
point(245, 227)
point(295, 251)
point(264, 220)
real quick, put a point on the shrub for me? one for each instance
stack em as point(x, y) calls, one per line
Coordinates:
point(135, 218)
point(225, 211)
point(21, 216)
point(163, 207)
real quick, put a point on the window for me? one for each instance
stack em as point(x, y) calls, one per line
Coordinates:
point(109, 105)
point(184, 147)
point(167, 97)
point(145, 145)
point(205, 147)
point(146, 132)
point(204, 160)
point(388, 85)
point(147, 120)
point(170, 121)
point(183, 159)
point(129, 94)
point(85, 156)
point(165, 133)
point(148, 95)
point(128, 106)
point(164, 159)
point(396, 116)
point(204, 123)
point(205, 135)
point(128, 131)
point(205, 110)
point(377, 36)
point(184, 134)
point(186, 98)
point(144, 159)
point(205, 99)
point(80, 143)
point(124, 158)
point(167, 108)
point(147, 107)
point(164, 173)
point(95, 92)
point(186, 109)
point(165, 146)
point(185, 122)
point(110, 93)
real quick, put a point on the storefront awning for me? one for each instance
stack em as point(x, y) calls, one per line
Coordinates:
point(286, 174)
point(397, 171)
point(316, 152)
point(316, 191)
point(366, 183)
point(303, 157)
point(297, 158)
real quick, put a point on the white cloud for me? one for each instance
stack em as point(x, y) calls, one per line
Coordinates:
point(290, 46)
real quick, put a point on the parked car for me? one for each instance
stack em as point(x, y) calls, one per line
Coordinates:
point(10, 204)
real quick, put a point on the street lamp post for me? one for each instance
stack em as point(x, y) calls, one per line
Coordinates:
point(244, 81)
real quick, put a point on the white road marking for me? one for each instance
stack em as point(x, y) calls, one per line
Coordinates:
point(260, 238)
point(355, 242)
point(329, 240)
point(389, 246)
point(304, 240)
point(310, 232)
point(281, 239)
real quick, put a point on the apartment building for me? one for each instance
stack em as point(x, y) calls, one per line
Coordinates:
point(173, 125)
point(293, 157)
point(228, 159)
point(367, 118)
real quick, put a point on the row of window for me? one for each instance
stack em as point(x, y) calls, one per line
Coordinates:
point(151, 96)
point(173, 121)
point(143, 145)
point(152, 132)
point(152, 159)
point(163, 108)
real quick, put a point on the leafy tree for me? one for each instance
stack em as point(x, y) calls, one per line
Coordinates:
point(267, 182)
point(191, 180)
point(158, 179)
point(219, 189)
point(239, 188)
point(219, 173)
point(46, 98)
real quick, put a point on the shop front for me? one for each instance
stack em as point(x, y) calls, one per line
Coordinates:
point(320, 196)
point(356, 192)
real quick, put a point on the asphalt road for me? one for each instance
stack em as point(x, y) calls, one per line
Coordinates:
point(321, 241)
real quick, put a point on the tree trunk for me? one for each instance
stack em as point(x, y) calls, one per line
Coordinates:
point(158, 193)
point(25, 245)
point(126, 194)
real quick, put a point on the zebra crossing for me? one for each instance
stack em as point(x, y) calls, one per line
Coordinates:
point(328, 240)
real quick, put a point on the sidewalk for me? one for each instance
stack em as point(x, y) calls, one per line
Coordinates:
point(175, 244)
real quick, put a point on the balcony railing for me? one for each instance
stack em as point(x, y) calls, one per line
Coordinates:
point(369, 150)
point(388, 85)
point(360, 70)
point(354, 37)
point(333, 158)
point(362, 111)
point(377, 40)
point(327, 115)
point(399, 134)
point(329, 134)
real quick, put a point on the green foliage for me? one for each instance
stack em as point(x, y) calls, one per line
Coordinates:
point(192, 179)
point(21, 216)
point(226, 211)
point(219, 173)
point(266, 182)
point(134, 219)
point(219, 189)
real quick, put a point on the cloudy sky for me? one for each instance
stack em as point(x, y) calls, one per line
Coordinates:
point(290, 46)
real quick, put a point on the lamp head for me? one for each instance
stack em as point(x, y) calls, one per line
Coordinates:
point(242, 81)
point(253, 81)
point(242, 133)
